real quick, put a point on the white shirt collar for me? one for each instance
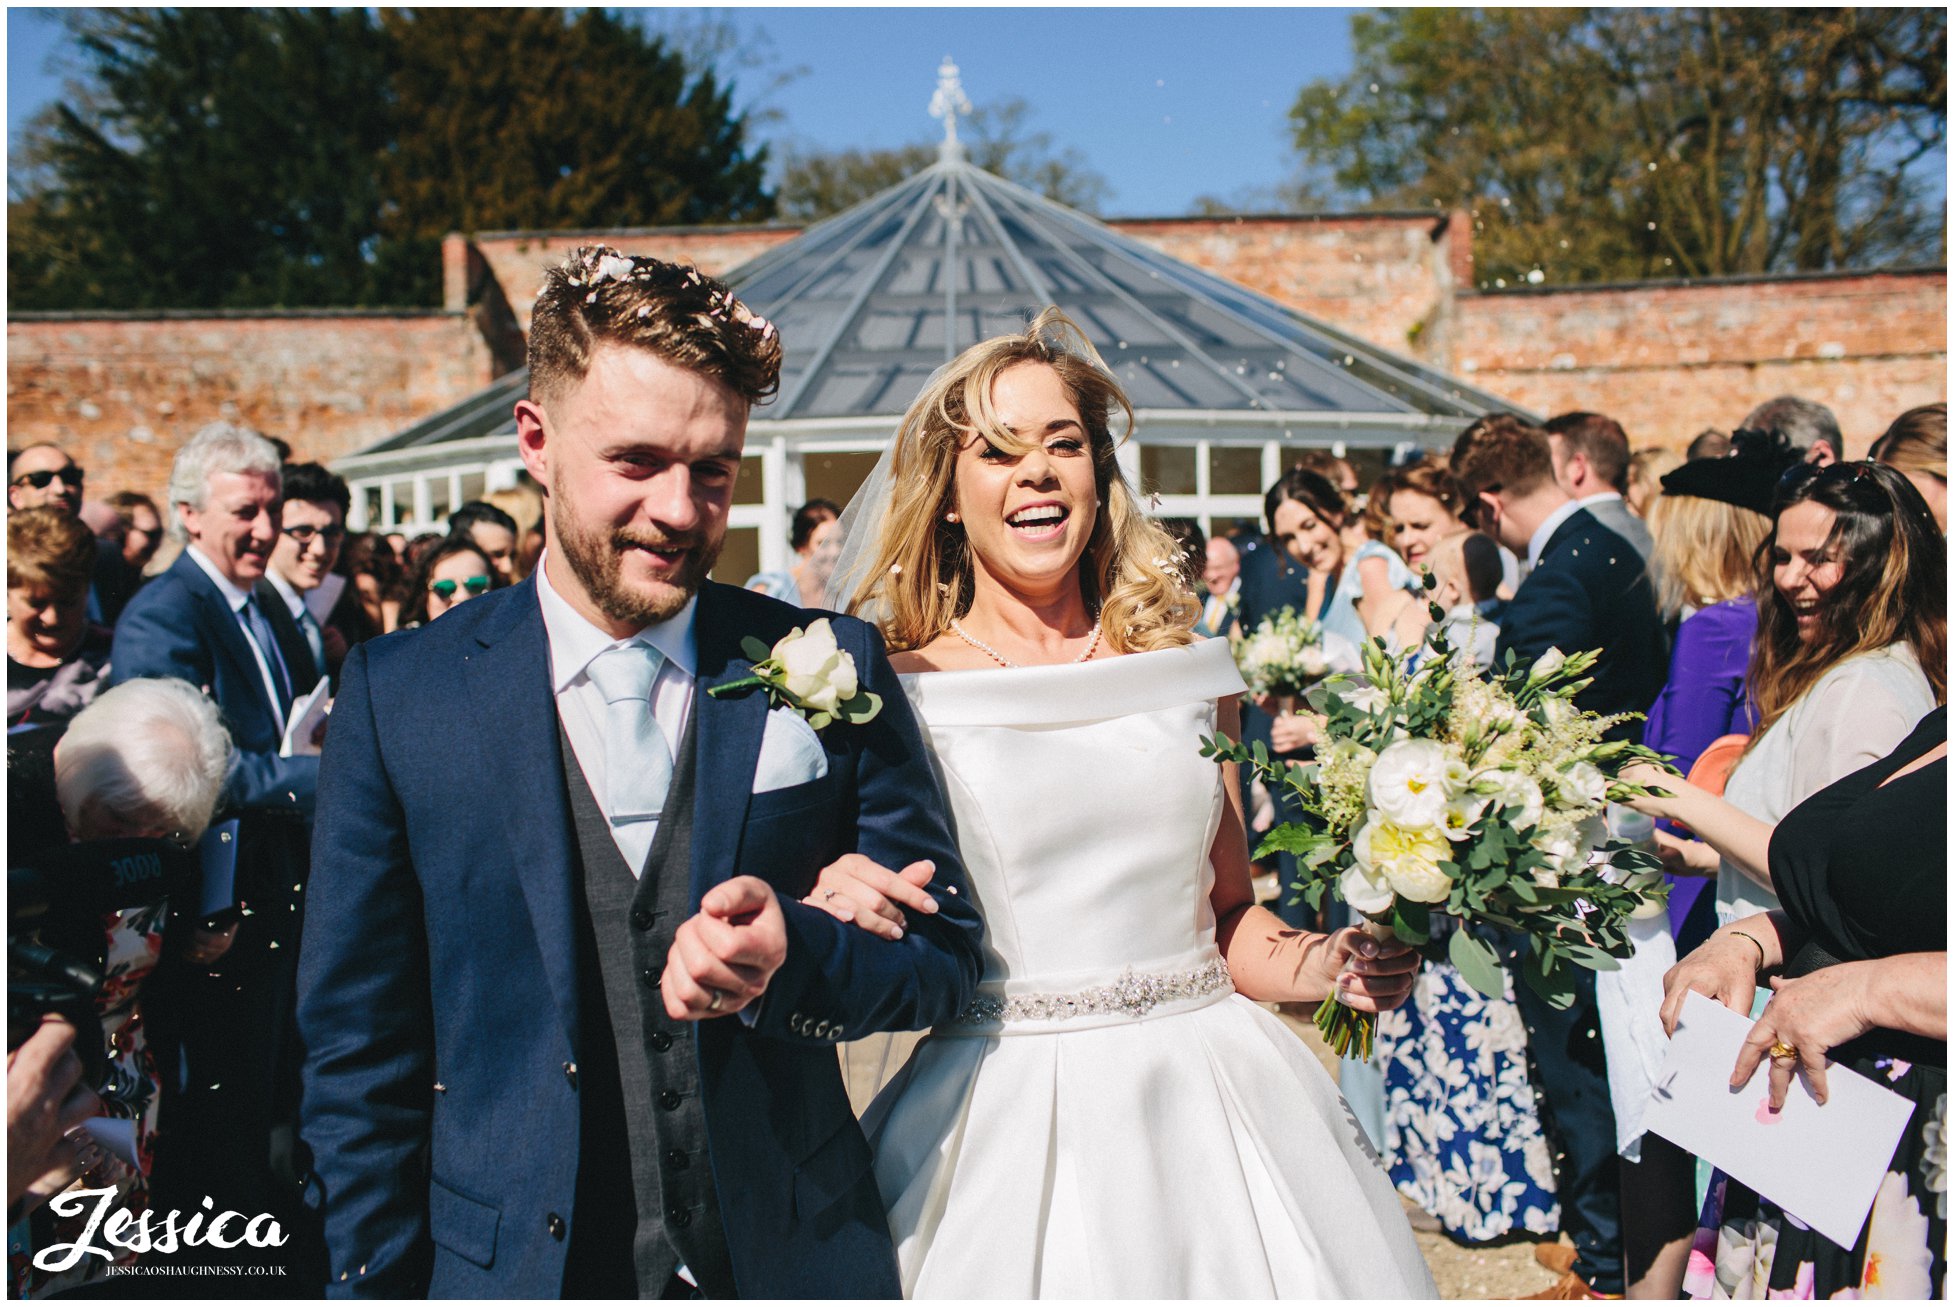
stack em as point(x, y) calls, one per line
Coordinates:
point(1588, 500)
point(1545, 531)
point(235, 597)
point(293, 599)
point(575, 640)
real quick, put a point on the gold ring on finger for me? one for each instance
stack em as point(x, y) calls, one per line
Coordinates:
point(1781, 1051)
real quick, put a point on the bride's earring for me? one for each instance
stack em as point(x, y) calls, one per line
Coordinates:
point(951, 517)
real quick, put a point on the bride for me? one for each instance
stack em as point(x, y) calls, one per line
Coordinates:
point(1112, 1116)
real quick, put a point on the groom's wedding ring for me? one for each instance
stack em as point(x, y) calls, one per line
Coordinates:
point(1784, 1050)
point(717, 999)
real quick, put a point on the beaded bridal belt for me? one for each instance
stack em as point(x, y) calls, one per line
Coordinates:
point(1134, 994)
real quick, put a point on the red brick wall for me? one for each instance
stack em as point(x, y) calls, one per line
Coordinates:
point(1668, 361)
point(1385, 278)
point(122, 394)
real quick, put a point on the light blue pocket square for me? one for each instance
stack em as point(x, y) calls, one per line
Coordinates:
point(790, 753)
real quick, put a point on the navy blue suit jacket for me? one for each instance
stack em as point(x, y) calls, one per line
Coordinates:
point(1590, 590)
point(440, 946)
point(180, 625)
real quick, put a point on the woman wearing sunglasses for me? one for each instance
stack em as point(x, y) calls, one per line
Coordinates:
point(446, 574)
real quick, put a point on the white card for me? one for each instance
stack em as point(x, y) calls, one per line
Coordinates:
point(1822, 1164)
point(307, 713)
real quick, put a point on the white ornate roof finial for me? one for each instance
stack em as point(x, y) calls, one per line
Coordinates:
point(947, 103)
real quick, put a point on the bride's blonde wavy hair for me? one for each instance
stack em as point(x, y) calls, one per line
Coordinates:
point(920, 575)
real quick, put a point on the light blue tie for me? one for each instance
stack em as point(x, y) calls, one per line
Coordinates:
point(637, 760)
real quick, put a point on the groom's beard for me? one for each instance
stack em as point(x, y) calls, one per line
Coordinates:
point(597, 557)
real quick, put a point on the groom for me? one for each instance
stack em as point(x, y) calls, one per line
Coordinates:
point(569, 1030)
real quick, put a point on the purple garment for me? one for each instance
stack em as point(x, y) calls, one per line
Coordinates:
point(1704, 700)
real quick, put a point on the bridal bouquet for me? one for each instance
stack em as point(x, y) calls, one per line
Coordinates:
point(1287, 653)
point(1479, 794)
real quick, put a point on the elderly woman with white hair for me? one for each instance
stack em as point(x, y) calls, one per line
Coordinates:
point(147, 759)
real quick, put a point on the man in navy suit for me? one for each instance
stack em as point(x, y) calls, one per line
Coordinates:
point(1587, 589)
point(223, 1032)
point(570, 1029)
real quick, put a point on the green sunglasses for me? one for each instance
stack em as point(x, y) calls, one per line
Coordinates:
point(446, 589)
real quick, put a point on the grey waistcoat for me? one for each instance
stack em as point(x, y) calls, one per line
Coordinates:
point(632, 922)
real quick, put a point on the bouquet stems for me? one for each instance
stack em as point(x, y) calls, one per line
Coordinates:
point(1345, 1029)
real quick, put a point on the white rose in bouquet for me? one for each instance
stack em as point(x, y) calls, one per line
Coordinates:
point(1365, 889)
point(1518, 793)
point(1413, 780)
point(1582, 785)
point(817, 672)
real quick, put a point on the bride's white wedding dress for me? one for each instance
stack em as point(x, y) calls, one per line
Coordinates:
point(1110, 1119)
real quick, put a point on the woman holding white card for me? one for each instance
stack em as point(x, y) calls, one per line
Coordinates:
point(1859, 963)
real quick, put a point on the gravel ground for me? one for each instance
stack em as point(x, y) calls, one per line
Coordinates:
point(1504, 1271)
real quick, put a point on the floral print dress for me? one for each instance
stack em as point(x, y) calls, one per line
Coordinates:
point(1861, 868)
point(1462, 1134)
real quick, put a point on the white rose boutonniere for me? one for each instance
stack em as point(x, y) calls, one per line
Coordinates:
point(810, 673)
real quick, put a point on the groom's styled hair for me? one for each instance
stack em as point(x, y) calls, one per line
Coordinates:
point(601, 296)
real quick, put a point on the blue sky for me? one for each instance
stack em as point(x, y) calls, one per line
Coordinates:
point(1166, 103)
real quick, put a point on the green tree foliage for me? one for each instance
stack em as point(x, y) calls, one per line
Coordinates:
point(1628, 143)
point(996, 137)
point(248, 158)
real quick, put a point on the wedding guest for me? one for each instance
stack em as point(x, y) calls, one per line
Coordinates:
point(1646, 468)
point(1333, 468)
point(119, 564)
point(1851, 651)
point(1387, 594)
point(417, 549)
point(46, 1100)
point(42, 475)
point(1860, 951)
point(1709, 443)
point(1810, 427)
point(449, 573)
point(312, 526)
point(1588, 589)
point(1426, 505)
point(815, 538)
point(202, 623)
point(57, 660)
point(1709, 524)
point(1267, 581)
point(1221, 577)
point(1466, 566)
point(146, 760)
point(374, 575)
point(490, 530)
point(1916, 444)
point(1591, 463)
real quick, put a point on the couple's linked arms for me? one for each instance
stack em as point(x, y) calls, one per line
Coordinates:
point(834, 982)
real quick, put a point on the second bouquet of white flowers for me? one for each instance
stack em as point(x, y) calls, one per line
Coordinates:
point(1287, 653)
point(1481, 795)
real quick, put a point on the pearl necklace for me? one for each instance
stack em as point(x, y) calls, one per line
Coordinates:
point(1002, 661)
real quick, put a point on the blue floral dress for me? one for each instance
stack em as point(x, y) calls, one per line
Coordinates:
point(1462, 1135)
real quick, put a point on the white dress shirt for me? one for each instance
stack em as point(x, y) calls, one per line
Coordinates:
point(237, 599)
point(574, 643)
point(1545, 531)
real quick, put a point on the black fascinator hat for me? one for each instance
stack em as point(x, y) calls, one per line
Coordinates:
point(1747, 476)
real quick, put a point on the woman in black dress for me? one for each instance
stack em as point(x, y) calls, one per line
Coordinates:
point(1860, 952)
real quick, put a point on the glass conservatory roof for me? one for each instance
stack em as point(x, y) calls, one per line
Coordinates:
point(873, 300)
